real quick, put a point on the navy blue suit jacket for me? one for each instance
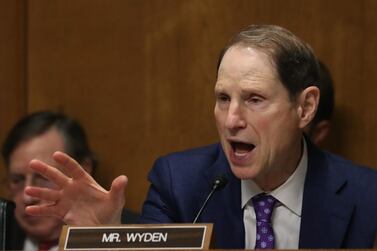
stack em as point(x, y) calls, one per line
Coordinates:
point(339, 204)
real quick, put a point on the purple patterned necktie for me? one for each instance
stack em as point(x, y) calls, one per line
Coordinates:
point(263, 205)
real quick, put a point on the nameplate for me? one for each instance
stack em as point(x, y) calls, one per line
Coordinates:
point(126, 237)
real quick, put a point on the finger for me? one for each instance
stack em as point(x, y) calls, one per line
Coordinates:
point(118, 187)
point(43, 193)
point(43, 210)
point(49, 172)
point(70, 165)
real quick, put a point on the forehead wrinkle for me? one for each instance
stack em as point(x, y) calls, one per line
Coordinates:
point(255, 76)
point(249, 74)
point(250, 80)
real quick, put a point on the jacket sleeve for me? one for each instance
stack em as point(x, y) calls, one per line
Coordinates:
point(159, 206)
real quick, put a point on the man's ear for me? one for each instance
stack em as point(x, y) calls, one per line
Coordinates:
point(307, 105)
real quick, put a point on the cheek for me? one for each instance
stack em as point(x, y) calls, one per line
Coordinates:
point(270, 129)
point(262, 125)
point(19, 211)
point(219, 119)
point(279, 120)
point(17, 198)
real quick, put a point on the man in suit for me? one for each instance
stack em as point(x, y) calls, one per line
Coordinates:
point(282, 191)
point(38, 135)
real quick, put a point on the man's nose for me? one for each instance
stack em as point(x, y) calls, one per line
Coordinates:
point(28, 200)
point(235, 118)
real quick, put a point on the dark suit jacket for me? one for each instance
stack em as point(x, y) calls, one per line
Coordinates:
point(15, 236)
point(339, 203)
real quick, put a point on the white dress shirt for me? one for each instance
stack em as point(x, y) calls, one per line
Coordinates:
point(286, 216)
point(30, 245)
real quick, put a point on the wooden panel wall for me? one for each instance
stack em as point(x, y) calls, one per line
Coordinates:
point(13, 94)
point(139, 74)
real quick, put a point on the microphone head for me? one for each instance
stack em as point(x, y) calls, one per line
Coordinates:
point(220, 181)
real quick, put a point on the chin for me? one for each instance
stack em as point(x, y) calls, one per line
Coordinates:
point(244, 173)
point(43, 230)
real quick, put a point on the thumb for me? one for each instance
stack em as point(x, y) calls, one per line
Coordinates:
point(116, 195)
point(118, 187)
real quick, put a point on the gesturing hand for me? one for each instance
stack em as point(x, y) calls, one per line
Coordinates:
point(78, 198)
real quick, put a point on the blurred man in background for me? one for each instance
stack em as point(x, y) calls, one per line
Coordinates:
point(38, 136)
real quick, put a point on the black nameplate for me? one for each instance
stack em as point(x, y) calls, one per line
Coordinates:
point(134, 237)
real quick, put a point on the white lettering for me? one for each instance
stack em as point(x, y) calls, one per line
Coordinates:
point(132, 237)
point(164, 237)
point(111, 237)
point(147, 237)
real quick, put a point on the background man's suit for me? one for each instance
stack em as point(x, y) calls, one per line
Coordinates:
point(15, 236)
point(339, 203)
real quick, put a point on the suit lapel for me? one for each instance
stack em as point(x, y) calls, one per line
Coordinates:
point(325, 214)
point(224, 208)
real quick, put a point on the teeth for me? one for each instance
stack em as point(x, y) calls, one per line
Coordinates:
point(240, 154)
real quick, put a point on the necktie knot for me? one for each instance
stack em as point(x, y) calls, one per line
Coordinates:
point(263, 205)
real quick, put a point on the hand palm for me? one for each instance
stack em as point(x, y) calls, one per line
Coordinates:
point(78, 199)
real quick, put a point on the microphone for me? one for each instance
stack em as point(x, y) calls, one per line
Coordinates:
point(220, 181)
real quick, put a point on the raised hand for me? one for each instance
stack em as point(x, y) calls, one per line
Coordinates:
point(78, 199)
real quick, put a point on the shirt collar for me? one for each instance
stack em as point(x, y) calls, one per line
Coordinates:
point(31, 244)
point(289, 194)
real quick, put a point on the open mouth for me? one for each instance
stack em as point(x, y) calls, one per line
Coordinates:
point(241, 149)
